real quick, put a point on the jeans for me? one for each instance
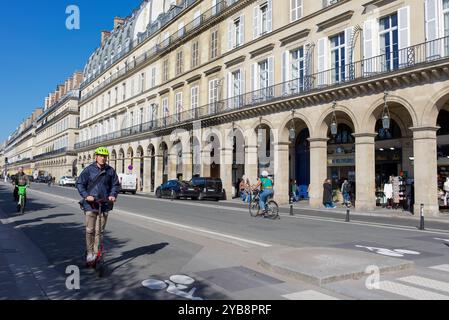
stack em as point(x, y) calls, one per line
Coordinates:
point(264, 196)
point(243, 195)
point(346, 197)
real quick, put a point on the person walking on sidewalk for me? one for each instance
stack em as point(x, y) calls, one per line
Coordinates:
point(345, 190)
point(327, 194)
point(98, 182)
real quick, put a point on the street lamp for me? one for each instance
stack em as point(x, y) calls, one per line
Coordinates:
point(386, 119)
point(334, 124)
point(292, 131)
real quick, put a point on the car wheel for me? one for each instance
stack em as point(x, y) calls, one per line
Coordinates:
point(158, 193)
point(134, 192)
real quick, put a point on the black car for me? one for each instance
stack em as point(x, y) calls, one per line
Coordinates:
point(175, 189)
point(43, 179)
point(210, 188)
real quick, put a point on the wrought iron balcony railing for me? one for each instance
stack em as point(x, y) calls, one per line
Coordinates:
point(384, 64)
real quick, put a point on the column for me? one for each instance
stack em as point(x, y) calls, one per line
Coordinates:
point(318, 170)
point(158, 171)
point(120, 165)
point(251, 162)
point(226, 157)
point(425, 170)
point(187, 165)
point(205, 163)
point(365, 168)
point(281, 172)
point(172, 174)
point(147, 174)
point(136, 170)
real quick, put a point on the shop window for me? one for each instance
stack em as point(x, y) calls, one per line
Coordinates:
point(383, 134)
point(443, 123)
point(344, 135)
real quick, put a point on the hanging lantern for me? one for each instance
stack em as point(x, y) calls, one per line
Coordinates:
point(292, 131)
point(386, 119)
point(334, 124)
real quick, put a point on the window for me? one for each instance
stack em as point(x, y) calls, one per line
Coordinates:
point(214, 45)
point(389, 45)
point(116, 95)
point(165, 74)
point(236, 33)
point(263, 20)
point(142, 82)
point(124, 91)
point(165, 109)
point(142, 115)
point(131, 119)
point(109, 99)
point(195, 54)
point(327, 3)
point(213, 95)
point(263, 74)
point(181, 29)
point(263, 78)
point(235, 89)
point(296, 67)
point(179, 62)
point(196, 19)
point(295, 10)
point(338, 57)
point(446, 26)
point(194, 104)
point(153, 77)
point(179, 106)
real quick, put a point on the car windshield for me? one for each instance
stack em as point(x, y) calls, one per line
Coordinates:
point(213, 183)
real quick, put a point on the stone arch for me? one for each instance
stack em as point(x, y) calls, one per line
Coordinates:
point(343, 114)
point(121, 154)
point(301, 122)
point(113, 154)
point(396, 104)
point(436, 103)
point(151, 150)
point(139, 151)
point(130, 153)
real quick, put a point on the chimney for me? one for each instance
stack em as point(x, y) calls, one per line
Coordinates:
point(61, 89)
point(77, 79)
point(57, 96)
point(104, 36)
point(47, 102)
point(118, 22)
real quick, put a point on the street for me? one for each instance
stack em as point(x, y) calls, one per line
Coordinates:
point(159, 249)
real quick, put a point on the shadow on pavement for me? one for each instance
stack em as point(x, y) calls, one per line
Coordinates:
point(130, 255)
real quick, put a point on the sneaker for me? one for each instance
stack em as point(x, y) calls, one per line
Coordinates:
point(90, 259)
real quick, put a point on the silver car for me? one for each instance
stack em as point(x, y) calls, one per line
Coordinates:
point(67, 181)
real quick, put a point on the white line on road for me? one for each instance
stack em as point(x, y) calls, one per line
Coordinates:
point(309, 295)
point(177, 225)
point(410, 292)
point(443, 267)
point(427, 283)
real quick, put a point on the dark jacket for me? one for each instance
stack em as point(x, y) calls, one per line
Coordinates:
point(327, 193)
point(21, 180)
point(108, 186)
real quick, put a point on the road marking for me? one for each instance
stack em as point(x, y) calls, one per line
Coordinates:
point(304, 217)
point(427, 283)
point(309, 295)
point(410, 292)
point(195, 229)
point(443, 267)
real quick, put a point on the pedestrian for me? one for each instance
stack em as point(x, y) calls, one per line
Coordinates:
point(345, 190)
point(294, 191)
point(327, 194)
point(98, 182)
point(242, 189)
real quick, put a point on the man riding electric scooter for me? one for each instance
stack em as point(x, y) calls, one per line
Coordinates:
point(99, 187)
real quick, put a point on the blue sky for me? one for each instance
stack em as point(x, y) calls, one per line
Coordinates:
point(38, 51)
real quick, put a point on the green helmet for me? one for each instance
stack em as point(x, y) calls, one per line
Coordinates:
point(102, 151)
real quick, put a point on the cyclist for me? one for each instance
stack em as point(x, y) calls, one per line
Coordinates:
point(20, 179)
point(98, 182)
point(266, 187)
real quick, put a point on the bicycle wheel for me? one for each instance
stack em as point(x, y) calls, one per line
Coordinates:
point(254, 208)
point(272, 210)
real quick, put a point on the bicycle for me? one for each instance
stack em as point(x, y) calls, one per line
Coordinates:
point(22, 191)
point(271, 206)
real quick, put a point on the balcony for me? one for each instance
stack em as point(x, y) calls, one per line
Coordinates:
point(54, 153)
point(403, 60)
point(165, 45)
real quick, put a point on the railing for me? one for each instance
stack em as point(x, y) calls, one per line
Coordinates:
point(403, 59)
point(51, 153)
point(159, 48)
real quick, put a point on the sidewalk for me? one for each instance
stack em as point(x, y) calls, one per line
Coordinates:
point(25, 274)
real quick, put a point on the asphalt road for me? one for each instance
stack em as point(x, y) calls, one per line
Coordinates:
point(217, 245)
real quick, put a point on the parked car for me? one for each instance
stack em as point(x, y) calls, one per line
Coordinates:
point(178, 189)
point(67, 181)
point(128, 183)
point(42, 179)
point(210, 188)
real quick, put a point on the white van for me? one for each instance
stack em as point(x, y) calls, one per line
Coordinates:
point(128, 182)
